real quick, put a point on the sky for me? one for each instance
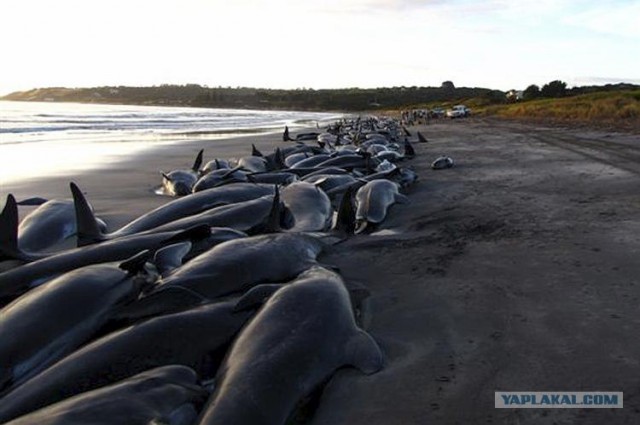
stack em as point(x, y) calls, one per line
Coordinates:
point(498, 44)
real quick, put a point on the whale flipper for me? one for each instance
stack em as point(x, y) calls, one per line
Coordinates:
point(364, 353)
point(401, 199)
point(256, 296)
point(35, 201)
point(136, 263)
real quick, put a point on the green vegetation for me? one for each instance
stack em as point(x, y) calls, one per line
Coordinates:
point(352, 99)
point(603, 107)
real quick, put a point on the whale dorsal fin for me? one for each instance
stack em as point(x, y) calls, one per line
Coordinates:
point(273, 221)
point(9, 229)
point(89, 228)
point(409, 152)
point(198, 162)
point(279, 159)
point(364, 353)
point(255, 151)
point(346, 219)
point(170, 257)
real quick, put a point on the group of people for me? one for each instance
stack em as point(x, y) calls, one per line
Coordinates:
point(416, 116)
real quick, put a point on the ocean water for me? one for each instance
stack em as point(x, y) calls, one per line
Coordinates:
point(40, 138)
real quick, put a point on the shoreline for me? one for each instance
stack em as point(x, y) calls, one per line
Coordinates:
point(514, 270)
point(123, 190)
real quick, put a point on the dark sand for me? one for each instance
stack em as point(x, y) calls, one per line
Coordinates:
point(515, 270)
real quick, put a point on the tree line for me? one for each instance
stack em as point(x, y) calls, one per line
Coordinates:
point(558, 88)
point(348, 99)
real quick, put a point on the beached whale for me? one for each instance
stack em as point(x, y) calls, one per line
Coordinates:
point(229, 268)
point(373, 201)
point(215, 164)
point(197, 338)
point(51, 223)
point(312, 161)
point(253, 164)
point(299, 338)
point(290, 160)
point(349, 162)
point(376, 148)
point(15, 282)
point(219, 178)
point(327, 182)
point(307, 206)
point(45, 324)
point(315, 171)
point(180, 182)
point(391, 156)
point(442, 162)
point(89, 231)
point(282, 178)
point(307, 136)
point(168, 395)
point(261, 215)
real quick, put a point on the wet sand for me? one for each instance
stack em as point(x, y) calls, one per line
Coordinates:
point(121, 191)
point(515, 270)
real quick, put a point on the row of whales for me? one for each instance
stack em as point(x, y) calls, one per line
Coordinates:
point(191, 312)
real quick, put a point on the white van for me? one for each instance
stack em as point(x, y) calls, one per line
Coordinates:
point(458, 111)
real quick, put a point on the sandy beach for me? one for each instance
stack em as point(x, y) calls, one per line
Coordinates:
point(516, 270)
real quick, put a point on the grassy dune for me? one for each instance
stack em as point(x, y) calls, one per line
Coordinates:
point(606, 108)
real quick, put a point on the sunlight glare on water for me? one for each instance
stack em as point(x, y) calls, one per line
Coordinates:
point(45, 138)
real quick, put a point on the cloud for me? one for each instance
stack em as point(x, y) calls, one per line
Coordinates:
point(613, 18)
point(585, 80)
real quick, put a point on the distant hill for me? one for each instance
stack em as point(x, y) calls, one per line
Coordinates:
point(351, 99)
